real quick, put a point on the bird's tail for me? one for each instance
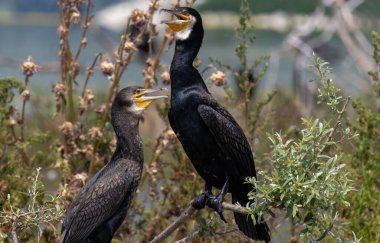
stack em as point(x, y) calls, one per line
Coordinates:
point(258, 231)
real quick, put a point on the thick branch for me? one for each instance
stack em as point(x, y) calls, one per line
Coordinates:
point(186, 214)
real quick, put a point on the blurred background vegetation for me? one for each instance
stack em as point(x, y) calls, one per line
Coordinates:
point(55, 88)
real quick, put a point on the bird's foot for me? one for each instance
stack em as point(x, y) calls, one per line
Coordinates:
point(216, 204)
point(200, 201)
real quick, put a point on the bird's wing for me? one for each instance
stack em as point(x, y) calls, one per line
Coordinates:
point(96, 203)
point(229, 137)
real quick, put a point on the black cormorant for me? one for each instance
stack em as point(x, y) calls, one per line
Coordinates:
point(101, 205)
point(210, 136)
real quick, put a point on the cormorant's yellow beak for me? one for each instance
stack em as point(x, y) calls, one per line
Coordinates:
point(183, 19)
point(142, 98)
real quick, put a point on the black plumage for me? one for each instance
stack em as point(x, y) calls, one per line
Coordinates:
point(210, 136)
point(101, 205)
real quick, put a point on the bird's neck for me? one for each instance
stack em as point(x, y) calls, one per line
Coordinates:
point(185, 53)
point(182, 71)
point(129, 144)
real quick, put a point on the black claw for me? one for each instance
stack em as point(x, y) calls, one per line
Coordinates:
point(216, 204)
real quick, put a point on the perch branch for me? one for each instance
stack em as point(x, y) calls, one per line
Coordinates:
point(186, 214)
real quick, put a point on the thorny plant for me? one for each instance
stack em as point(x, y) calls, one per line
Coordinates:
point(40, 213)
point(309, 180)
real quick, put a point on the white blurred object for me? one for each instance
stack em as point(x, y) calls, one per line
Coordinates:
point(115, 17)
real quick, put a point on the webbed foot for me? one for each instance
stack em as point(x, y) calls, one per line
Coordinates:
point(217, 202)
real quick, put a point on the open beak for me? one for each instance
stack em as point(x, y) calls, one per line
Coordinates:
point(183, 19)
point(142, 98)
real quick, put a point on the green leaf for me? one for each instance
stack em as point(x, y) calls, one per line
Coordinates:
point(294, 210)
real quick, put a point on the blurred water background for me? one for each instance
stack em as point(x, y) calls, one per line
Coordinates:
point(30, 29)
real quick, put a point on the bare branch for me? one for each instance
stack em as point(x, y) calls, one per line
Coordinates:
point(186, 214)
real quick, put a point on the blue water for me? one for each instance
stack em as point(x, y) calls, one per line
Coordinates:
point(42, 43)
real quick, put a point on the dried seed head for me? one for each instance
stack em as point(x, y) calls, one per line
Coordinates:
point(149, 80)
point(138, 15)
point(78, 180)
point(84, 41)
point(75, 16)
point(95, 133)
point(129, 46)
point(87, 151)
point(218, 78)
point(59, 89)
point(100, 110)
point(67, 128)
point(82, 105)
point(12, 122)
point(25, 94)
point(89, 96)
point(107, 68)
point(75, 70)
point(28, 67)
point(85, 101)
point(165, 76)
point(112, 144)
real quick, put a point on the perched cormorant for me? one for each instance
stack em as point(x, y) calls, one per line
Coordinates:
point(101, 205)
point(210, 136)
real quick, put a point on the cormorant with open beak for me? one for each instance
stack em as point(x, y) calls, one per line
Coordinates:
point(210, 136)
point(101, 205)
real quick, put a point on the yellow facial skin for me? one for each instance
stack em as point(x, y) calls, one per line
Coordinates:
point(179, 24)
point(143, 101)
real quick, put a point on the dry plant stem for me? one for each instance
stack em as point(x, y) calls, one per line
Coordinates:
point(14, 233)
point(66, 59)
point(26, 81)
point(85, 26)
point(70, 97)
point(90, 72)
point(121, 66)
point(158, 54)
point(185, 215)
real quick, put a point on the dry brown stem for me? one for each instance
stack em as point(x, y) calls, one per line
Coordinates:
point(185, 215)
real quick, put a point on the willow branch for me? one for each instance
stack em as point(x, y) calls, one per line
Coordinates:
point(339, 119)
point(186, 214)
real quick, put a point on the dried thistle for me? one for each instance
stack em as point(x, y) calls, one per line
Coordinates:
point(165, 76)
point(129, 46)
point(87, 151)
point(95, 133)
point(139, 16)
point(59, 89)
point(75, 16)
point(28, 67)
point(86, 101)
point(11, 121)
point(149, 79)
point(67, 128)
point(100, 110)
point(107, 68)
point(218, 78)
point(25, 94)
point(113, 144)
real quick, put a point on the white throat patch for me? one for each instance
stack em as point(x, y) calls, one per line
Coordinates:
point(185, 33)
